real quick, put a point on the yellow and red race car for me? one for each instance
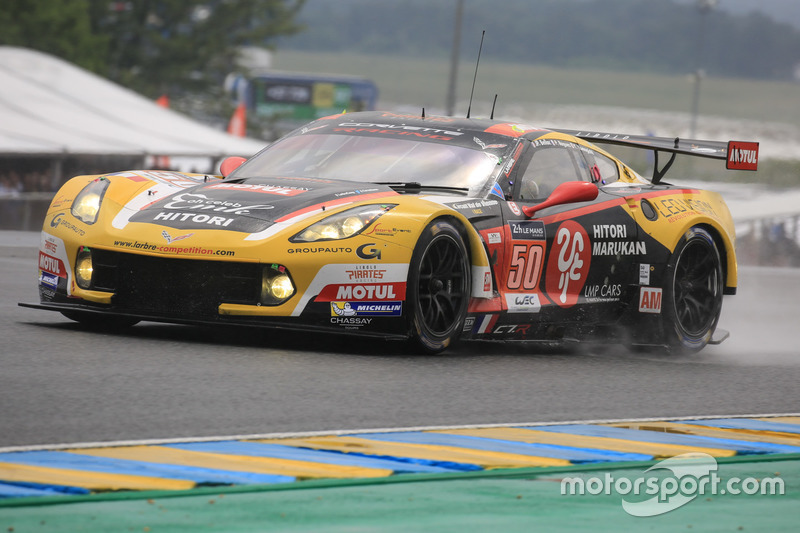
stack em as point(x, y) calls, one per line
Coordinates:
point(406, 227)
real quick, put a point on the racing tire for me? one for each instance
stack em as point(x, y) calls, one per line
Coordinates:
point(100, 322)
point(692, 292)
point(438, 289)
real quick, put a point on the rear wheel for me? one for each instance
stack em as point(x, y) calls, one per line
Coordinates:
point(99, 321)
point(693, 292)
point(438, 287)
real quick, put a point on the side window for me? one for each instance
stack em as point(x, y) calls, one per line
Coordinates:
point(552, 163)
point(607, 171)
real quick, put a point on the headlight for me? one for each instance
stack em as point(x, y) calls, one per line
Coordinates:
point(276, 285)
point(342, 225)
point(84, 268)
point(87, 204)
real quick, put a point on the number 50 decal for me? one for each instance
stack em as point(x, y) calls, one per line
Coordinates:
point(526, 266)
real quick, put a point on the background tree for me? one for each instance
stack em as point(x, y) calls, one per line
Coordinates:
point(178, 46)
point(62, 28)
point(150, 46)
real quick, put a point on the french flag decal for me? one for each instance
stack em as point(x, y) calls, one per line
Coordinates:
point(485, 323)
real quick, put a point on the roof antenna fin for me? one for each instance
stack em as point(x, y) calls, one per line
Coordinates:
point(491, 117)
point(475, 77)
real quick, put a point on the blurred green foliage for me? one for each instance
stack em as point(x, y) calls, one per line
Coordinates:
point(150, 46)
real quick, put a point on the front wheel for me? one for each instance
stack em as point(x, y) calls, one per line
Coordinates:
point(693, 292)
point(438, 287)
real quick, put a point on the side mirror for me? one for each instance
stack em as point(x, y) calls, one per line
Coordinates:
point(230, 164)
point(567, 193)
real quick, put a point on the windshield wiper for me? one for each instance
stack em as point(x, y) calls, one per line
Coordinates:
point(414, 186)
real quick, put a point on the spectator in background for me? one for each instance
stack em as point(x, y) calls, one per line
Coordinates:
point(10, 185)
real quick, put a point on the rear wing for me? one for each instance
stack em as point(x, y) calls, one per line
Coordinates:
point(738, 155)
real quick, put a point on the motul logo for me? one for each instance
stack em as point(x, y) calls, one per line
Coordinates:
point(52, 265)
point(366, 292)
point(742, 155)
point(363, 292)
point(650, 300)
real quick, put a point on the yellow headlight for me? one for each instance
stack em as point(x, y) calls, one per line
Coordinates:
point(344, 224)
point(281, 287)
point(351, 225)
point(329, 231)
point(84, 269)
point(310, 235)
point(276, 286)
point(88, 207)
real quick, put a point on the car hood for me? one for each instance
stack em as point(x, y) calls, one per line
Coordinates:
point(254, 204)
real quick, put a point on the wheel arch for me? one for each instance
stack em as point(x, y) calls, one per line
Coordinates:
point(476, 250)
point(694, 289)
point(727, 252)
point(723, 238)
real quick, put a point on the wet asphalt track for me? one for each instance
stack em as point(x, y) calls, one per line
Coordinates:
point(62, 384)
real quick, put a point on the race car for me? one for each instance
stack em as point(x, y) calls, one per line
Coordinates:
point(391, 225)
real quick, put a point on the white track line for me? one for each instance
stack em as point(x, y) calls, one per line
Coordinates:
point(338, 433)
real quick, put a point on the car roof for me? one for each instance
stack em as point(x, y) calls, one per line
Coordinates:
point(475, 126)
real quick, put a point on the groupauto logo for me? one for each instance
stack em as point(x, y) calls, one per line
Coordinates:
point(368, 251)
point(56, 220)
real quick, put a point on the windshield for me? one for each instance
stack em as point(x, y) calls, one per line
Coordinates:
point(374, 159)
